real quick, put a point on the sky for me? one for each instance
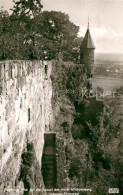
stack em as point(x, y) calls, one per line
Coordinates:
point(106, 20)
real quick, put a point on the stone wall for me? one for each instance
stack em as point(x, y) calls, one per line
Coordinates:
point(25, 114)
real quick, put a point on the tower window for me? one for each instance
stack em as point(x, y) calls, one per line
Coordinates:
point(28, 114)
point(4, 70)
point(11, 71)
point(46, 68)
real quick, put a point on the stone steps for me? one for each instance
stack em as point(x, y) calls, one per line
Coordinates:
point(49, 161)
point(50, 170)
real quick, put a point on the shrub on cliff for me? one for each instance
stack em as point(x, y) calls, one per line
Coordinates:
point(68, 79)
point(30, 172)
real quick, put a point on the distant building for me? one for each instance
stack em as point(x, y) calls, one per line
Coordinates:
point(87, 52)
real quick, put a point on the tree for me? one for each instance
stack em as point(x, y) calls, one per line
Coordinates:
point(22, 17)
point(105, 149)
point(58, 35)
point(8, 41)
point(97, 161)
point(31, 34)
point(29, 8)
point(12, 38)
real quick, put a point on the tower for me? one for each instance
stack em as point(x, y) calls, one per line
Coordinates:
point(87, 52)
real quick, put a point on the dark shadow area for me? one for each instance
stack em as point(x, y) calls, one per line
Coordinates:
point(49, 161)
point(30, 172)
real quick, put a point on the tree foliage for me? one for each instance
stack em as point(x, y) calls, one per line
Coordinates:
point(70, 82)
point(29, 33)
point(60, 33)
point(24, 8)
point(102, 157)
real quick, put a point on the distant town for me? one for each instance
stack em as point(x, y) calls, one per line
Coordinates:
point(109, 69)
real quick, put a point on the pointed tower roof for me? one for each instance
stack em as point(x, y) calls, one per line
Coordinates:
point(87, 42)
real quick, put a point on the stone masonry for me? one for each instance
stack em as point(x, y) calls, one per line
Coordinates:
point(25, 114)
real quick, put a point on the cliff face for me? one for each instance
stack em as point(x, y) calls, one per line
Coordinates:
point(25, 114)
